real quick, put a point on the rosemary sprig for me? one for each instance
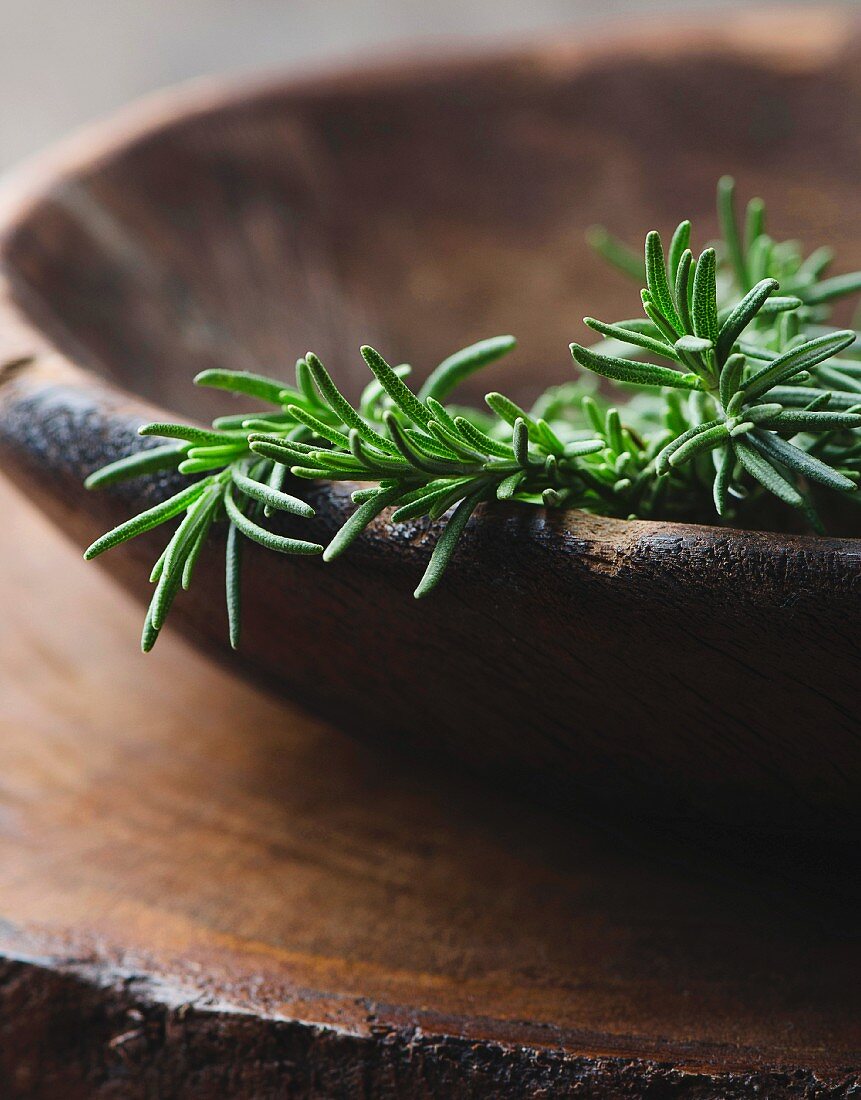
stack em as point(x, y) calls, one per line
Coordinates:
point(754, 395)
point(423, 458)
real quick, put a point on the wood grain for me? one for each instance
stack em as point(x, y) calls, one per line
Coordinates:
point(419, 206)
point(205, 892)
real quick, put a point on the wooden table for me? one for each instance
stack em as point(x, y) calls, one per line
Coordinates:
point(204, 893)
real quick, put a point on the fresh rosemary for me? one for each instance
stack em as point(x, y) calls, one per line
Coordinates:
point(754, 396)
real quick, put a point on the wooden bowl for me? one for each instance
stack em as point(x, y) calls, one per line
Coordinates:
point(655, 671)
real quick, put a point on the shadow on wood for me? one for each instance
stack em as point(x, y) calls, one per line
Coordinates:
point(205, 892)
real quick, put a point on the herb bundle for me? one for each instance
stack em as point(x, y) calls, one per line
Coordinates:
point(753, 396)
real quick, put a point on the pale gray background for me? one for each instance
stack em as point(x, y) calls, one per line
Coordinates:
point(66, 62)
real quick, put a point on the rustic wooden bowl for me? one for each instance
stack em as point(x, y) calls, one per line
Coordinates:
point(418, 207)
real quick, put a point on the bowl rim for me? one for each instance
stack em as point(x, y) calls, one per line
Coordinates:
point(27, 186)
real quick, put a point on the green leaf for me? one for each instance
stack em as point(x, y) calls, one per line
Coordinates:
point(678, 245)
point(548, 439)
point(281, 451)
point(305, 382)
point(814, 421)
point(236, 421)
point(616, 253)
point(773, 447)
point(656, 281)
point(443, 418)
point(704, 305)
point(741, 316)
point(453, 370)
point(698, 444)
point(801, 357)
point(481, 441)
point(613, 431)
point(232, 584)
point(170, 567)
point(763, 471)
point(729, 230)
point(730, 378)
point(191, 466)
point(627, 370)
point(374, 392)
point(319, 427)
point(273, 498)
point(593, 413)
point(402, 396)
point(183, 538)
point(456, 493)
point(815, 264)
point(760, 258)
point(723, 477)
point(240, 381)
point(266, 538)
point(693, 345)
point(340, 406)
point(520, 442)
point(200, 437)
point(277, 477)
point(366, 513)
point(800, 396)
point(754, 225)
point(147, 461)
point(447, 543)
point(662, 461)
point(580, 447)
point(829, 289)
point(145, 521)
point(760, 413)
point(779, 304)
point(509, 486)
point(434, 445)
point(629, 336)
point(196, 547)
point(455, 442)
point(409, 449)
point(163, 597)
point(657, 319)
point(508, 411)
point(825, 375)
point(683, 289)
point(423, 501)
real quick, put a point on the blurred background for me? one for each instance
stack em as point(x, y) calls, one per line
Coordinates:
point(65, 63)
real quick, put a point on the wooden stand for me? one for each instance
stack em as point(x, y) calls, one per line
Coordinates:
point(205, 893)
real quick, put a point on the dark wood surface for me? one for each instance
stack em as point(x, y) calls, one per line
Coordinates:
point(703, 677)
point(207, 893)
